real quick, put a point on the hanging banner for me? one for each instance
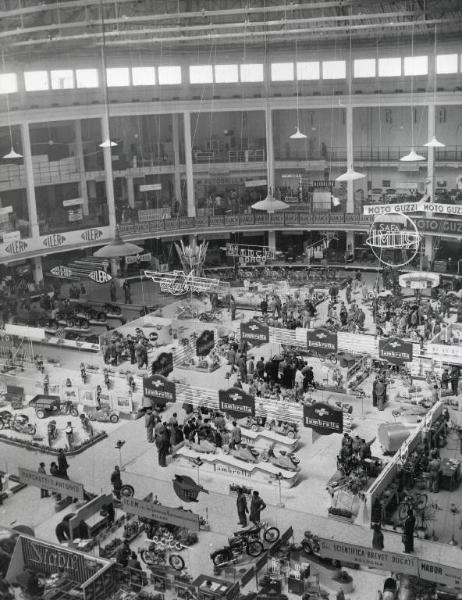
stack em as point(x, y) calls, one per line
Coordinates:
point(99, 276)
point(439, 226)
point(321, 341)
point(255, 333)
point(159, 389)
point(395, 350)
point(163, 365)
point(236, 403)
point(323, 418)
point(48, 482)
point(412, 207)
point(205, 342)
point(161, 514)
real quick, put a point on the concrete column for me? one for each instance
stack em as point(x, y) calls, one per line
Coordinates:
point(131, 191)
point(191, 206)
point(350, 205)
point(430, 187)
point(109, 180)
point(269, 147)
point(30, 186)
point(176, 158)
point(38, 270)
point(272, 240)
point(81, 162)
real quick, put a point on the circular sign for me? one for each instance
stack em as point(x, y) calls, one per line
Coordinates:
point(394, 239)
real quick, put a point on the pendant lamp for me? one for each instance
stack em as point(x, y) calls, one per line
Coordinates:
point(434, 143)
point(118, 248)
point(298, 135)
point(270, 204)
point(350, 175)
point(12, 154)
point(107, 144)
point(412, 157)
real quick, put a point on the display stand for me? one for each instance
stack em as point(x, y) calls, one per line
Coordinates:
point(262, 438)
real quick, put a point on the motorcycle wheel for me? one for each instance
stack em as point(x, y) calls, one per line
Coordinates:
point(271, 535)
point(127, 491)
point(148, 557)
point(176, 562)
point(220, 558)
point(254, 548)
point(114, 418)
point(74, 412)
point(30, 429)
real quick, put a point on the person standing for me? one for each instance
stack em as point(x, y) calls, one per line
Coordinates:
point(163, 445)
point(127, 292)
point(69, 435)
point(113, 291)
point(116, 481)
point(434, 467)
point(149, 421)
point(54, 471)
point(256, 506)
point(63, 465)
point(232, 308)
point(377, 537)
point(242, 509)
point(1, 488)
point(408, 532)
point(236, 436)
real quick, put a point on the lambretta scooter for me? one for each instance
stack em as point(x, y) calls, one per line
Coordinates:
point(245, 453)
point(283, 460)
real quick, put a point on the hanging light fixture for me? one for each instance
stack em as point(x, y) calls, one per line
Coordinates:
point(350, 174)
point(117, 248)
point(412, 156)
point(298, 135)
point(12, 154)
point(434, 143)
point(270, 204)
point(107, 143)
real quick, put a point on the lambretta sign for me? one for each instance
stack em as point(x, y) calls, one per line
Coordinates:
point(321, 341)
point(159, 389)
point(323, 418)
point(236, 403)
point(254, 332)
point(395, 350)
point(48, 482)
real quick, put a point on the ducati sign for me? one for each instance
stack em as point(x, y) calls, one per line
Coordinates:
point(395, 350)
point(255, 333)
point(159, 389)
point(99, 276)
point(323, 418)
point(321, 341)
point(236, 402)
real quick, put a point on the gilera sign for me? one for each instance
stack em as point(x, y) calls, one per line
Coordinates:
point(323, 418)
point(321, 341)
point(160, 513)
point(236, 403)
point(48, 482)
point(254, 332)
point(159, 389)
point(395, 350)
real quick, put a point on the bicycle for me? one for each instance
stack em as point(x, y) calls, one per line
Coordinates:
point(415, 502)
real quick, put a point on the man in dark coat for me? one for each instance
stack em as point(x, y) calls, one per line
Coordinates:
point(256, 506)
point(63, 465)
point(116, 481)
point(242, 509)
point(163, 445)
point(408, 532)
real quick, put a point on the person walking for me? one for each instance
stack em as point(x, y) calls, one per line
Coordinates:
point(63, 465)
point(408, 532)
point(242, 508)
point(116, 481)
point(256, 506)
point(377, 537)
point(149, 422)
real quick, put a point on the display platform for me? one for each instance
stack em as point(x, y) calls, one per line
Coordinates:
point(262, 438)
point(225, 464)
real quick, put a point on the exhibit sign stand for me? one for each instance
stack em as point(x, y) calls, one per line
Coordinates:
point(66, 487)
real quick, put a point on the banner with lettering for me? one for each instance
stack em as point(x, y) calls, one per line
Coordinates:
point(48, 482)
point(322, 341)
point(255, 333)
point(236, 402)
point(323, 418)
point(412, 207)
point(159, 389)
point(161, 514)
point(395, 350)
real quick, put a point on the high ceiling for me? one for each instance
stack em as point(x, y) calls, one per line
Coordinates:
point(50, 26)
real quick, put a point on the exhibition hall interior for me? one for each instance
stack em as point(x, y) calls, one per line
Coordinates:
point(230, 300)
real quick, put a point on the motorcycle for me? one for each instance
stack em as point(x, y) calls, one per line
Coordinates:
point(204, 447)
point(284, 460)
point(155, 555)
point(19, 423)
point(270, 534)
point(238, 545)
point(52, 432)
point(104, 416)
point(310, 545)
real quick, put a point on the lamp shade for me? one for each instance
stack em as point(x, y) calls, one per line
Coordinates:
point(298, 135)
point(270, 204)
point(412, 157)
point(350, 175)
point(118, 248)
point(434, 143)
point(107, 144)
point(12, 154)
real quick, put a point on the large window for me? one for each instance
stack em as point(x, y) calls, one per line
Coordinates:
point(333, 69)
point(201, 74)
point(62, 79)
point(389, 67)
point(8, 83)
point(36, 81)
point(143, 76)
point(226, 74)
point(118, 77)
point(169, 75)
point(308, 71)
point(251, 73)
point(446, 63)
point(415, 65)
point(282, 71)
point(364, 67)
point(86, 78)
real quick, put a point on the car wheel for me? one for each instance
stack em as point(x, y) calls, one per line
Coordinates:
point(114, 418)
point(40, 413)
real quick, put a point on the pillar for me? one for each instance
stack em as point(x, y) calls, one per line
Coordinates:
point(131, 191)
point(191, 206)
point(272, 240)
point(350, 204)
point(108, 176)
point(30, 186)
point(176, 158)
point(81, 163)
point(38, 270)
point(269, 147)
